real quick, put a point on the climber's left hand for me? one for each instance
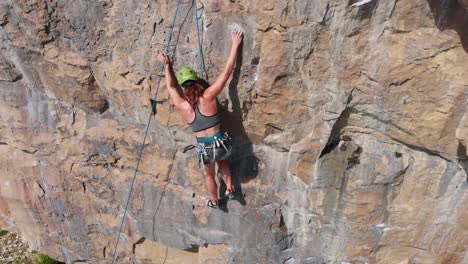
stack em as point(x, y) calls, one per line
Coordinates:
point(162, 57)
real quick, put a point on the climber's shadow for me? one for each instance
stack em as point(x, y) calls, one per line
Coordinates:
point(243, 161)
point(449, 14)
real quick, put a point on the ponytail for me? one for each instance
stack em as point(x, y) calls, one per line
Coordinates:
point(193, 93)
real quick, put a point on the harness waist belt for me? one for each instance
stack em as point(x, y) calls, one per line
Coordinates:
point(216, 136)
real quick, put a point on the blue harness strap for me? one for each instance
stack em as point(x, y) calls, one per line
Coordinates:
point(216, 136)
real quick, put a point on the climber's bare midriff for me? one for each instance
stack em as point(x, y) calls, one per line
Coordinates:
point(208, 132)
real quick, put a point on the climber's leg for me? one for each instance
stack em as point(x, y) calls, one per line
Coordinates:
point(225, 171)
point(211, 182)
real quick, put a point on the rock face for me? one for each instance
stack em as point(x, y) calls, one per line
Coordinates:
point(349, 126)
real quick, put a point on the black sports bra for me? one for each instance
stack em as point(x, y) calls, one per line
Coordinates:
point(202, 122)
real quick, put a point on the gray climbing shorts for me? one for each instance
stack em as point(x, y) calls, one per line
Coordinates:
point(214, 148)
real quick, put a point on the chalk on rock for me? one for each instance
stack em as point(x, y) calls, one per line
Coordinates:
point(360, 3)
point(236, 26)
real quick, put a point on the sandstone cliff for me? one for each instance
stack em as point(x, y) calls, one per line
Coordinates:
point(349, 127)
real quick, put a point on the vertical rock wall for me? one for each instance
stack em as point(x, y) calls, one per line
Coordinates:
point(349, 127)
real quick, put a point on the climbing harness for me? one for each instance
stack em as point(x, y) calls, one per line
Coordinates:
point(209, 145)
point(153, 108)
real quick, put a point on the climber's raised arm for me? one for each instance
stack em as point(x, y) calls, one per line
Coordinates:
point(212, 91)
point(171, 81)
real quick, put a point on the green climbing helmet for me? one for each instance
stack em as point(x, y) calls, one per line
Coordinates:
point(186, 74)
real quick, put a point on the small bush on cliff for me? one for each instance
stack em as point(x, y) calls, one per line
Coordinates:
point(3, 232)
point(44, 259)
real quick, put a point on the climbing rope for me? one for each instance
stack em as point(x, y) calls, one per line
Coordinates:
point(153, 106)
point(202, 68)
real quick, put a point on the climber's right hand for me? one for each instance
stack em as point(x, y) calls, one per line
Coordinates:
point(236, 37)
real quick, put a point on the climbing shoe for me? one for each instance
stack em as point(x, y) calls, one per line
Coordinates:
point(211, 204)
point(229, 195)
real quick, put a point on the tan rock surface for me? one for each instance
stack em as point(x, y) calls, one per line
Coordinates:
point(349, 129)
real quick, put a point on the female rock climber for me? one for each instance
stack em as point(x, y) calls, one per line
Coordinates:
point(199, 108)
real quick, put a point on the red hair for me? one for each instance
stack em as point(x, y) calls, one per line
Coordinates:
point(193, 93)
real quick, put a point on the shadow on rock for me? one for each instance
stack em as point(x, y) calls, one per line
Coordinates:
point(243, 161)
point(449, 14)
point(222, 205)
point(463, 158)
